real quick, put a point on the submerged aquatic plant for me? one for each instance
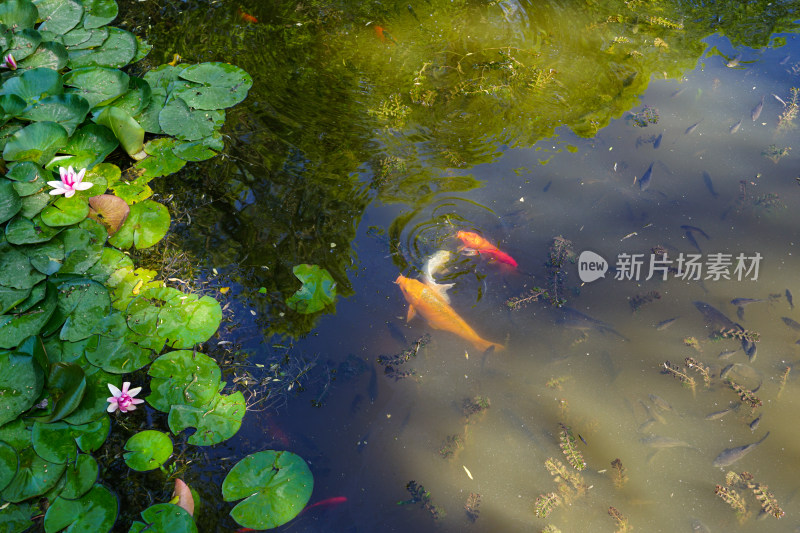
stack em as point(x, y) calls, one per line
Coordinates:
point(545, 503)
point(790, 109)
point(745, 395)
point(475, 405)
point(423, 497)
point(619, 476)
point(740, 334)
point(472, 506)
point(568, 445)
point(679, 374)
point(767, 500)
point(701, 368)
point(775, 153)
point(622, 522)
point(734, 499)
point(451, 444)
point(784, 377)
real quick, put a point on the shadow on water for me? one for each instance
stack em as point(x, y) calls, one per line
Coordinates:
point(374, 132)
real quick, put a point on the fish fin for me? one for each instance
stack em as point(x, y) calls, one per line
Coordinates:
point(441, 289)
point(411, 313)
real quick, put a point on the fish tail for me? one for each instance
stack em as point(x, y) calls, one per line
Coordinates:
point(483, 345)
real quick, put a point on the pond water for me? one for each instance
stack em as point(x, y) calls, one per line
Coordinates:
point(692, 151)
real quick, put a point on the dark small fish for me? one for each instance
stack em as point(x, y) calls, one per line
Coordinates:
point(696, 229)
point(741, 302)
point(678, 92)
point(756, 112)
point(664, 324)
point(709, 184)
point(657, 142)
point(660, 402)
point(750, 349)
point(736, 127)
point(719, 414)
point(754, 424)
point(726, 354)
point(574, 319)
point(656, 441)
point(582, 439)
point(693, 241)
point(740, 313)
point(691, 128)
point(789, 299)
point(372, 387)
point(644, 181)
point(547, 187)
point(791, 323)
point(731, 455)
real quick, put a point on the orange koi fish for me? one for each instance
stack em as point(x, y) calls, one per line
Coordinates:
point(433, 308)
point(476, 244)
point(379, 32)
point(246, 16)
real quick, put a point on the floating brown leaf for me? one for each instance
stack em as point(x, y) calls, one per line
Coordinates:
point(184, 495)
point(110, 210)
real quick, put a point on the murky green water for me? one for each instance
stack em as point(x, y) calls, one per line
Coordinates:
point(365, 151)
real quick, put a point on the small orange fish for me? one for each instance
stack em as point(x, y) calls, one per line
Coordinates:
point(379, 32)
point(433, 308)
point(246, 16)
point(475, 243)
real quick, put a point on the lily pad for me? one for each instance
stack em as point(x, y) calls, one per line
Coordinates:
point(276, 487)
point(49, 54)
point(16, 434)
point(83, 246)
point(183, 377)
point(91, 140)
point(47, 257)
point(14, 328)
point(60, 16)
point(35, 476)
point(37, 142)
point(68, 110)
point(99, 13)
point(317, 292)
point(92, 435)
point(32, 205)
point(110, 261)
point(10, 203)
point(129, 133)
point(37, 294)
point(110, 210)
point(66, 385)
point(24, 43)
point(215, 423)
point(148, 117)
point(28, 178)
point(16, 270)
point(34, 85)
point(128, 284)
point(9, 464)
point(183, 320)
point(65, 211)
point(147, 450)
point(54, 442)
point(99, 86)
point(224, 85)
point(21, 230)
point(18, 517)
point(95, 511)
point(162, 76)
point(201, 150)
point(19, 13)
point(95, 401)
point(116, 51)
point(82, 305)
point(165, 518)
point(12, 105)
point(117, 356)
point(161, 160)
point(136, 98)
point(178, 120)
point(147, 223)
point(20, 384)
point(81, 476)
point(80, 38)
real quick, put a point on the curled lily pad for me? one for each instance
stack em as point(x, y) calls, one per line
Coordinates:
point(215, 422)
point(183, 377)
point(317, 292)
point(147, 450)
point(129, 133)
point(21, 382)
point(165, 517)
point(276, 487)
point(95, 511)
point(110, 210)
point(66, 385)
point(37, 142)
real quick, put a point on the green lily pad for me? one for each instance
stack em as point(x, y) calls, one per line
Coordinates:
point(18, 517)
point(21, 230)
point(95, 511)
point(19, 13)
point(16, 434)
point(49, 54)
point(68, 110)
point(183, 320)
point(37, 294)
point(178, 120)
point(276, 485)
point(20, 384)
point(215, 423)
point(54, 442)
point(148, 117)
point(80, 38)
point(224, 85)
point(147, 223)
point(95, 401)
point(162, 76)
point(9, 464)
point(24, 43)
point(37, 142)
point(32, 205)
point(10, 203)
point(34, 85)
point(7, 131)
point(66, 211)
point(147, 450)
point(183, 377)
point(66, 385)
point(35, 476)
point(12, 106)
point(132, 192)
point(161, 161)
point(91, 139)
point(201, 150)
point(81, 476)
point(136, 98)
point(317, 292)
point(82, 305)
point(99, 13)
point(59, 351)
point(116, 51)
point(14, 328)
point(129, 133)
point(92, 435)
point(165, 518)
point(16, 270)
point(99, 86)
point(117, 356)
point(83, 246)
point(60, 16)
point(47, 257)
point(10, 298)
point(127, 286)
point(110, 261)
point(28, 178)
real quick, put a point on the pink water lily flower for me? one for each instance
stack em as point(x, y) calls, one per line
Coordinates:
point(123, 399)
point(70, 182)
point(8, 62)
